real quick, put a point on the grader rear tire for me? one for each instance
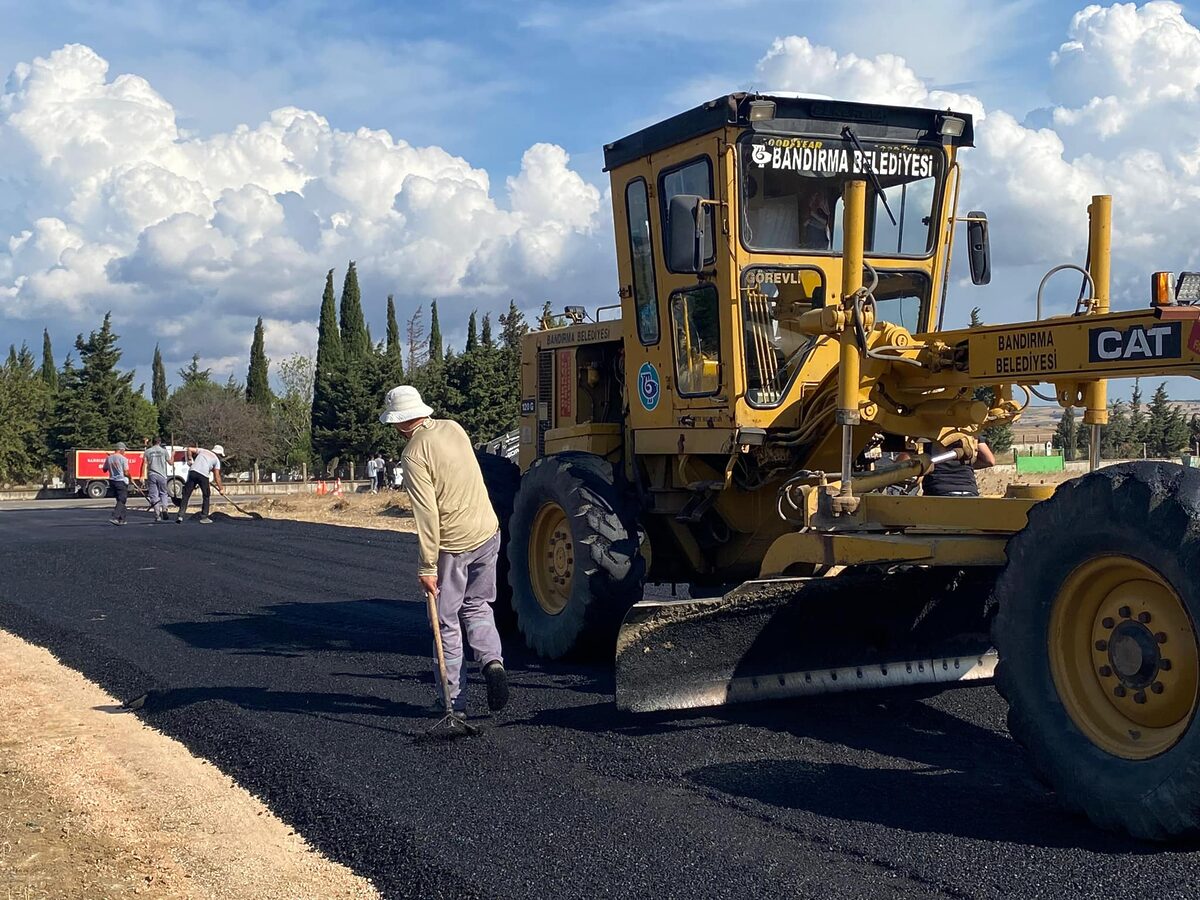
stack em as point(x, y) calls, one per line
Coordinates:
point(502, 479)
point(575, 564)
point(1099, 658)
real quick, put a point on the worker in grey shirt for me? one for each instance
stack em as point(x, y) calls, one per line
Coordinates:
point(158, 465)
point(117, 467)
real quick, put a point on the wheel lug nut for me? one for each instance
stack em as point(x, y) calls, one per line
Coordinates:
point(1105, 671)
point(1108, 622)
point(1161, 637)
point(1139, 697)
point(1165, 665)
point(1144, 617)
point(1124, 612)
point(1102, 645)
point(1119, 691)
point(1157, 687)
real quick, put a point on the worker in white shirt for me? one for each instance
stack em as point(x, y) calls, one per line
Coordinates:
point(205, 464)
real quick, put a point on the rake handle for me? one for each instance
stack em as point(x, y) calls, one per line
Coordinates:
point(431, 605)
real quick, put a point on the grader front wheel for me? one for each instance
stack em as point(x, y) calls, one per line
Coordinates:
point(1099, 657)
point(574, 555)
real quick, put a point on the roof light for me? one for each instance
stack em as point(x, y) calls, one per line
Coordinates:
point(1187, 288)
point(1160, 289)
point(762, 110)
point(952, 126)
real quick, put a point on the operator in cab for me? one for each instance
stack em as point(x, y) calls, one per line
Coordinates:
point(956, 478)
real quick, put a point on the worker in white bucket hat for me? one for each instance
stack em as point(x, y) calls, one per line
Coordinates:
point(458, 536)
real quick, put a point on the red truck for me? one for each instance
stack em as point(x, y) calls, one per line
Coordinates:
point(85, 474)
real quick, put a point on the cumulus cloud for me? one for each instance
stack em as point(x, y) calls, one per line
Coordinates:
point(113, 206)
point(1125, 120)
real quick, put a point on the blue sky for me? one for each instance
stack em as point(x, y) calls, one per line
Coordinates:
point(498, 112)
point(485, 80)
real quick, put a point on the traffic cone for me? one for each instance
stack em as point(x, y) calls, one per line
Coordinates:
point(321, 488)
point(337, 491)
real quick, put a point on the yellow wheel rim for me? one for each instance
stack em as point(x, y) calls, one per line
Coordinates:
point(551, 558)
point(1124, 658)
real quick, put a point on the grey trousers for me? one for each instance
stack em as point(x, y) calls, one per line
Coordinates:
point(466, 591)
point(157, 484)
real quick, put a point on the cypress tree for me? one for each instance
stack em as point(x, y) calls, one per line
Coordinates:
point(356, 343)
point(1066, 435)
point(158, 382)
point(486, 335)
point(328, 368)
point(393, 367)
point(472, 333)
point(49, 372)
point(435, 335)
point(258, 389)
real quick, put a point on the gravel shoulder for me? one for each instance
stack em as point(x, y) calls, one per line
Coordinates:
point(94, 803)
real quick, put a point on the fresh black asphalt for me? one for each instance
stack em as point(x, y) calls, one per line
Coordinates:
point(296, 658)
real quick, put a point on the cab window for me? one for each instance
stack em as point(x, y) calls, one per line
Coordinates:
point(694, 178)
point(641, 254)
point(696, 325)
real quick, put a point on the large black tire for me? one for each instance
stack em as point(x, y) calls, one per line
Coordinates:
point(607, 569)
point(502, 478)
point(1143, 517)
point(97, 490)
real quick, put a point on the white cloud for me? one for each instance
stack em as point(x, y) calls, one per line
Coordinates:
point(1126, 84)
point(115, 207)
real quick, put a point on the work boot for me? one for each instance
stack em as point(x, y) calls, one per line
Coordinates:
point(497, 685)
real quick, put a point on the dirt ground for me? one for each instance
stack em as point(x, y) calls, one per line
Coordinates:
point(994, 481)
point(94, 804)
point(390, 511)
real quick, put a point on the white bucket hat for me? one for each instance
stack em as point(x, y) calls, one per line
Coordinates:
point(218, 449)
point(403, 404)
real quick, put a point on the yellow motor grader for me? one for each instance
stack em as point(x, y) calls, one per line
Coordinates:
point(784, 265)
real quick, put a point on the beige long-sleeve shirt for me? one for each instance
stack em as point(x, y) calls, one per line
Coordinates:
point(449, 499)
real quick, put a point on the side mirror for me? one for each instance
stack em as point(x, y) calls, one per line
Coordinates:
point(686, 223)
point(978, 251)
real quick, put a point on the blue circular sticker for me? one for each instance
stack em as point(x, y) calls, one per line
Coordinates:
point(648, 390)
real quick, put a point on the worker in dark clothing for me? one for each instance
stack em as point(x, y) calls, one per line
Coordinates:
point(956, 478)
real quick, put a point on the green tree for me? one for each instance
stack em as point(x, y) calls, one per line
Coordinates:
point(355, 340)
point(26, 401)
point(325, 440)
point(394, 348)
point(49, 372)
point(96, 404)
point(435, 335)
point(472, 333)
point(293, 411)
point(159, 392)
point(258, 388)
point(1137, 420)
point(1166, 431)
point(1193, 427)
point(193, 374)
point(1066, 435)
point(486, 334)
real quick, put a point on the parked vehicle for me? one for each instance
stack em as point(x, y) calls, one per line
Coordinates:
point(85, 474)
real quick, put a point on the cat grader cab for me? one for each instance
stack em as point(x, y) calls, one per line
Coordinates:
point(784, 265)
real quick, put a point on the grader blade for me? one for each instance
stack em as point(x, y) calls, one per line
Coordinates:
point(781, 638)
